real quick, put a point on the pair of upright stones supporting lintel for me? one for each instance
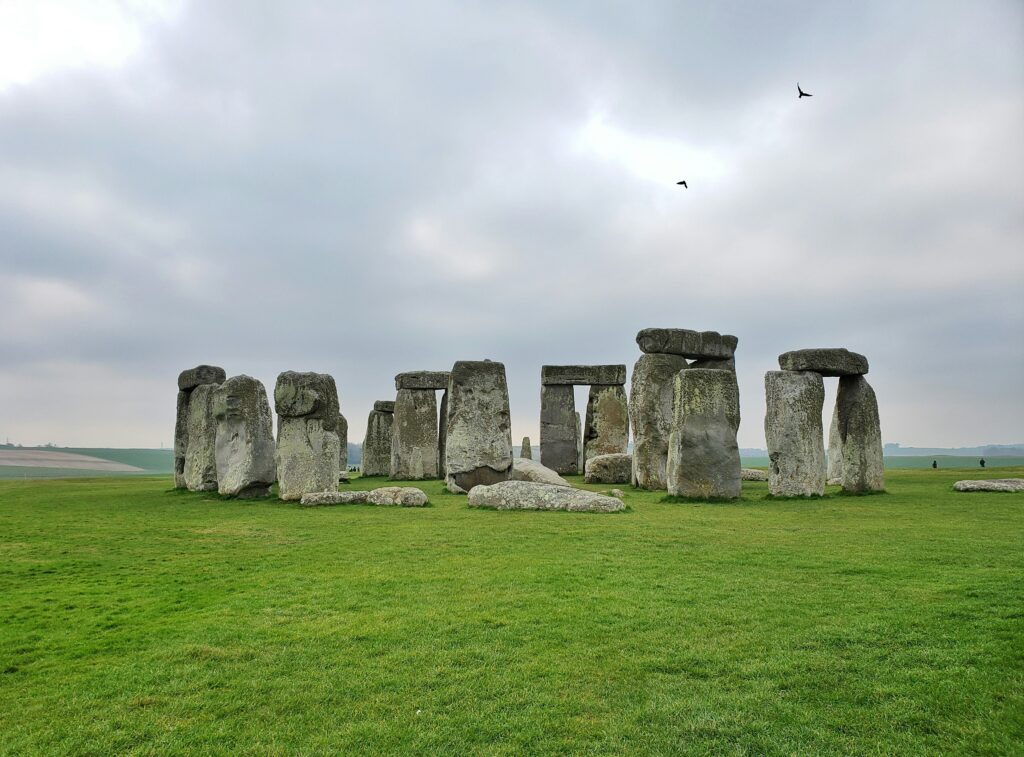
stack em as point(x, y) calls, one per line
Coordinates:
point(417, 444)
point(565, 443)
point(685, 415)
point(795, 399)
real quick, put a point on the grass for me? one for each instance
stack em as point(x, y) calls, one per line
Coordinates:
point(142, 620)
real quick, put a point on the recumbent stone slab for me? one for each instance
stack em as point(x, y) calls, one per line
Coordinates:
point(526, 495)
point(991, 485)
point(687, 343)
point(828, 361)
point(524, 469)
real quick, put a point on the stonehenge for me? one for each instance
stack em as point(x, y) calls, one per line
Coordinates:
point(415, 440)
point(606, 429)
point(860, 436)
point(695, 345)
point(527, 495)
point(188, 381)
point(307, 454)
point(377, 443)
point(792, 427)
point(524, 469)
point(244, 447)
point(559, 437)
point(615, 468)
point(478, 448)
point(200, 463)
point(525, 451)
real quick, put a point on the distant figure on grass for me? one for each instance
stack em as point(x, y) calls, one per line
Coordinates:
point(982, 462)
point(935, 463)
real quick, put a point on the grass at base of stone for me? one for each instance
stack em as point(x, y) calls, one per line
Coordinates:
point(679, 499)
point(144, 620)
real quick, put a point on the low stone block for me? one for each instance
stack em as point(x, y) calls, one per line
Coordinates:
point(687, 343)
point(524, 469)
point(991, 485)
point(526, 495)
point(401, 496)
point(321, 499)
point(753, 474)
point(384, 406)
point(582, 375)
point(828, 361)
point(422, 380)
point(609, 469)
point(201, 374)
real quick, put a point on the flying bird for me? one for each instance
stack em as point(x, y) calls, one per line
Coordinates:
point(682, 184)
point(802, 93)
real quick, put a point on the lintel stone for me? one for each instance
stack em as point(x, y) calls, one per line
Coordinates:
point(583, 375)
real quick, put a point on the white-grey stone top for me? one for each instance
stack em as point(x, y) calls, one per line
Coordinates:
point(422, 380)
point(694, 345)
point(384, 406)
point(583, 375)
point(991, 485)
point(828, 361)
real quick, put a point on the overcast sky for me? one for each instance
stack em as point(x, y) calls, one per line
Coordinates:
point(368, 188)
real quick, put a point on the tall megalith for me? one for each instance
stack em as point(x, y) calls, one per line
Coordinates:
point(377, 444)
point(244, 438)
point(188, 380)
point(650, 413)
point(860, 436)
point(792, 427)
point(478, 447)
point(308, 453)
point(558, 428)
point(414, 435)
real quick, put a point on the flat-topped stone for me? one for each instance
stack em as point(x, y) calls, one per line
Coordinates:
point(201, 374)
point(582, 375)
point(526, 495)
point(609, 469)
point(828, 361)
point(991, 485)
point(384, 406)
point(687, 343)
point(422, 380)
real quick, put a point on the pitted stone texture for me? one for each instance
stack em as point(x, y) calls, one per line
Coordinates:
point(384, 406)
point(582, 375)
point(609, 469)
point(991, 485)
point(558, 439)
point(307, 457)
point(479, 445)
point(244, 447)
point(414, 435)
point(377, 444)
point(860, 435)
point(753, 474)
point(828, 361)
point(442, 436)
point(524, 469)
point(422, 380)
point(703, 457)
point(525, 450)
point(606, 429)
point(716, 365)
point(581, 460)
point(180, 439)
point(201, 374)
point(401, 496)
point(320, 499)
point(835, 451)
point(342, 433)
point(650, 412)
point(792, 428)
point(526, 495)
point(308, 395)
point(200, 470)
point(695, 345)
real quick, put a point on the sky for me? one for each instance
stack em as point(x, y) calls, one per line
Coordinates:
point(369, 188)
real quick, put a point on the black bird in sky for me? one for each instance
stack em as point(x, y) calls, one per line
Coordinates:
point(682, 184)
point(802, 93)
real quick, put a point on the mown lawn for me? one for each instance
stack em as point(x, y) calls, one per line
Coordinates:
point(139, 619)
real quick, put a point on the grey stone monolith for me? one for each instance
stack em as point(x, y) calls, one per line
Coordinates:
point(188, 380)
point(650, 413)
point(606, 427)
point(860, 435)
point(703, 457)
point(245, 438)
point(792, 428)
point(835, 451)
point(558, 429)
point(442, 435)
point(200, 466)
point(342, 432)
point(479, 444)
point(695, 345)
point(525, 450)
point(377, 443)
point(581, 460)
point(414, 435)
point(308, 452)
point(828, 361)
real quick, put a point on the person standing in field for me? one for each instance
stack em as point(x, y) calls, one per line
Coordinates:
point(935, 463)
point(982, 462)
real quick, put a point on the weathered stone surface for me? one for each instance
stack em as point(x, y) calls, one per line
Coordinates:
point(828, 361)
point(201, 374)
point(609, 469)
point(991, 485)
point(414, 435)
point(307, 457)
point(377, 444)
point(320, 499)
point(716, 365)
point(606, 429)
point(342, 432)
point(180, 439)
point(525, 469)
point(582, 375)
point(402, 496)
point(422, 380)
point(860, 435)
point(581, 459)
point(442, 436)
point(650, 412)
point(527, 495)
point(687, 343)
point(479, 445)
point(244, 448)
point(308, 395)
point(525, 450)
point(753, 474)
point(384, 406)
point(558, 439)
point(200, 469)
point(835, 451)
point(703, 457)
point(792, 428)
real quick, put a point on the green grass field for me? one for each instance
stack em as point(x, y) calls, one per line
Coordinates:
point(143, 620)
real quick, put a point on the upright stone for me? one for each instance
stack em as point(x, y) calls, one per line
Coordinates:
point(860, 436)
point(607, 423)
point(581, 460)
point(525, 451)
point(835, 451)
point(703, 457)
point(792, 428)
point(308, 451)
point(558, 428)
point(478, 449)
point(188, 380)
point(650, 412)
point(200, 468)
point(414, 435)
point(244, 439)
point(342, 445)
point(442, 435)
point(377, 444)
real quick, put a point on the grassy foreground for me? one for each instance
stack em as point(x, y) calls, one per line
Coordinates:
point(138, 619)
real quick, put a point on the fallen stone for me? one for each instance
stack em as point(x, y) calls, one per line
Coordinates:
point(377, 443)
point(582, 375)
point(753, 474)
point(200, 468)
point(527, 495)
point(558, 441)
point(403, 496)
point(792, 428)
point(650, 413)
point(422, 380)
point(860, 436)
point(703, 457)
point(606, 429)
point(694, 345)
point(201, 374)
point(609, 469)
point(617, 493)
point(479, 444)
point(991, 485)
point(525, 451)
point(244, 442)
point(414, 435)
point(319, 499)
point(384, 406)
point(828, 361)
point(525, 469)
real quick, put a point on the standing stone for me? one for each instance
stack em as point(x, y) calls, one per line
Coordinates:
point(479, 444)
point(308, 452)
point(558, 428)
point(414, 435)
point(860, 436)
point(342, 446)
point(650, 412)
point(442, 435)
point(377, 444)
point(607, 423)
point(581, 461)
point(200, 470)
point(526, 451)
point(792, 428)
point(244, 439)
point(188, 380)
point(703, 457)
point(835, 450)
